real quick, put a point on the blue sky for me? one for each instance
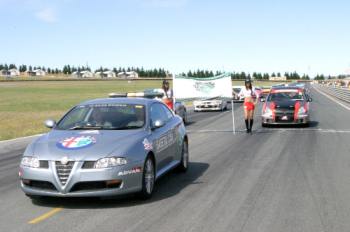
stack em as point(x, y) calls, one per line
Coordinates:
point(307, 36)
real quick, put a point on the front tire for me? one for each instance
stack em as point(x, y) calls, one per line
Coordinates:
point(148, 179)
point(183, 166)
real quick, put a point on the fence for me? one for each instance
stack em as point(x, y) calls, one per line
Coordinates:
point(341, 93)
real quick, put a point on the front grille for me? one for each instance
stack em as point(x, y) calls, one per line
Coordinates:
point(208, 106)
point(93, 185)
point(281, 111)
point(40, 184)
point(279, 117)
point(63, 171)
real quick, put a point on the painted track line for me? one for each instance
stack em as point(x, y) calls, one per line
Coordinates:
point(45, 215)
point(332, 98)
point(320, 130)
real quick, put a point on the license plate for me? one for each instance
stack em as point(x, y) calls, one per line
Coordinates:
point(284, 118)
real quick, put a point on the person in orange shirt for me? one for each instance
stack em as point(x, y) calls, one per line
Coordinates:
point(168, 95)
point(250, 100)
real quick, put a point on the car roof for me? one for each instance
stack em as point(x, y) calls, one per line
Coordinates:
point(287, 88)
point(122, 100)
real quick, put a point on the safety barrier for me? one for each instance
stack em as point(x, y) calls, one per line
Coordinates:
point(342, 93)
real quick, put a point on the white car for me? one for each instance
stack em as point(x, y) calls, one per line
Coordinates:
point(235, 91)
point(213, 104)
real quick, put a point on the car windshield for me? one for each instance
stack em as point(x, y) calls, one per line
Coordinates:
point(104, 117)
point(287, 95)
point(153, 93)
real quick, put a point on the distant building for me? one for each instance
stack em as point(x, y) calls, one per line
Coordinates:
point(10, 73)
point(98, 74)
point(108, 74)
point(39, 72)
point(83, 74)
point(14, 72)
point(86, 74)
point(36, 72)
point(128, 75)
point(3, 72)
point(283, 78)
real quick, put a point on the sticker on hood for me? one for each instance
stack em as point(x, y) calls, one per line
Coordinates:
point(76, 142)
point(147, 145)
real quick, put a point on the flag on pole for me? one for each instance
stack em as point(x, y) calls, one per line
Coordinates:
point(190, 88)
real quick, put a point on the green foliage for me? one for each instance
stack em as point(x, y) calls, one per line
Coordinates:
point(320, 77)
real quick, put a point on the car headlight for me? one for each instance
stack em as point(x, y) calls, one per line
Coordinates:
point(268, 112)
point(110, 162)
point(30, 161)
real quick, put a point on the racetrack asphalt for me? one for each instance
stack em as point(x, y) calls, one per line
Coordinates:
point(277, 179)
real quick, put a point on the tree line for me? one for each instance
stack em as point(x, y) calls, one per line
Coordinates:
point(69, 69)
point(162, 73)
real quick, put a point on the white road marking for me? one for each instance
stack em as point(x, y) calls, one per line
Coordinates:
point(332, 98)
point(273, 130)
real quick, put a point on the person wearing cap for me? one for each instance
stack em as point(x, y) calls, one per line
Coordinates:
point(250, 100)
point(168, 94)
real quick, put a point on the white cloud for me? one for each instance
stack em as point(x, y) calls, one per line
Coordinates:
point(47, 15)
point(166, 3)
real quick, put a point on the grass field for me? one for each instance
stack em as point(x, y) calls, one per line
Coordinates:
point(24, 106)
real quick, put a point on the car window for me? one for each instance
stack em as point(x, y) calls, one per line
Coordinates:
point(169, 114)
point(105, 117)
point(158, 112)
point(75, 116)
point(286, 96)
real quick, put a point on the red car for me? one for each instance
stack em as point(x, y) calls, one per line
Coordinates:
point(286, 105)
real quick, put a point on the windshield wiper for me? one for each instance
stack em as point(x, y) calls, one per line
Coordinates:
point(85, 128)
point(122, 128)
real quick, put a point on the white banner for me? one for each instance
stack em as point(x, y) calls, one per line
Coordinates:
point(202, 88)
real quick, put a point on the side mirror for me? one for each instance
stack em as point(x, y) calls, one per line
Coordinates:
point(262, 99)
point(50, 123)
point(309, 99)
point(157, 124)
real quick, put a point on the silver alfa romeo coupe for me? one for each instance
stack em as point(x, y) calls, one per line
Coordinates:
point(105, 147)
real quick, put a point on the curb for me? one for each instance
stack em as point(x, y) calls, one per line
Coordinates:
point(8, 146)
point(18, 139)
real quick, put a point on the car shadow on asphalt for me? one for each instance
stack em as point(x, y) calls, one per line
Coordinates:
point(312, 124)
point(189, 123)
point(167, 186)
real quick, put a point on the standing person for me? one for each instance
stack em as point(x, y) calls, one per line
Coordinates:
point(250, 100)
point(168, 94)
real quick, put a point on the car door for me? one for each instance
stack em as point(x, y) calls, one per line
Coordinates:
point(172, 134)
point(160, 135)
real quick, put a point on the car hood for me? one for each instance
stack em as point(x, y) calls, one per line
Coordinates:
point(285, 104)
point(85, 145)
